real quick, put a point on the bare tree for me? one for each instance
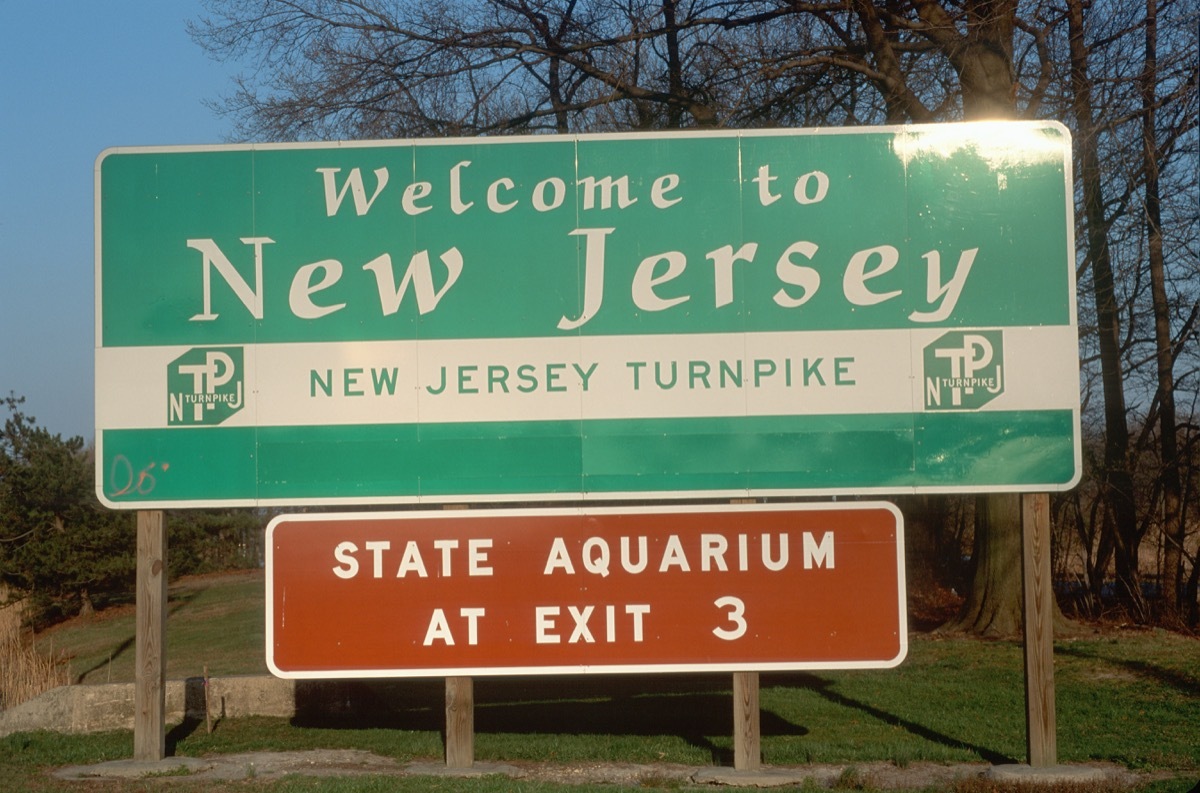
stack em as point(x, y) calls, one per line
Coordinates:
point(386, 68)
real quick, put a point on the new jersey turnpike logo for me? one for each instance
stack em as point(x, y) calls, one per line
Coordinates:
point(205, 385)
point(964, 370)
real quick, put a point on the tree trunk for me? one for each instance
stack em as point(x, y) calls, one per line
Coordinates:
point(901, 104)
point(562, 124)
point(674, 66)
point(993, 604)
point(982, 58)
point(1116, 478)
point(984, 62)
point(1191, 595)
point(1174, 532)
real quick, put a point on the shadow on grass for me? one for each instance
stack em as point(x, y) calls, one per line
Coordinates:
point(194, 701)
point(823, 688)
point(692, 707)
point(1183, 683)
point(175, 603)
point(181, 731)
point(688, 706)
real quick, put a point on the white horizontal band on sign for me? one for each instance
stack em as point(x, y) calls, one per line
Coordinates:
point(590, 377)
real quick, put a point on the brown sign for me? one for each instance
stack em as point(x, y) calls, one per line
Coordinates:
point(652, 589)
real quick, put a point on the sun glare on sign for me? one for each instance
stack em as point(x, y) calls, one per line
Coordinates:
point(1000, 144)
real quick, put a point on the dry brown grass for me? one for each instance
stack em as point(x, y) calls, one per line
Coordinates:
point(25, 671)
point(980, 785)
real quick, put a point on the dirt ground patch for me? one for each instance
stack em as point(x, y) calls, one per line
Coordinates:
point(352, 762)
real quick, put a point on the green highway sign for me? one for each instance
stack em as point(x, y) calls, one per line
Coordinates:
point(755, 313)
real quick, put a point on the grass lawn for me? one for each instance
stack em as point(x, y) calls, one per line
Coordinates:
point(1129, 697)
point(213, 620)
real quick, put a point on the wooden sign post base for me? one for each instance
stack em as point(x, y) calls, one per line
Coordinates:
point(150, 687)
point(460, 722)
point(747, 746)
point(1039, 631)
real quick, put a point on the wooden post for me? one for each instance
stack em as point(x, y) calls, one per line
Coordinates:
point(747, 746)
point(747, 743)
point(460, 710)
point(207, 704)
point(150, 657)
point(460, 722)
point(1039, 631)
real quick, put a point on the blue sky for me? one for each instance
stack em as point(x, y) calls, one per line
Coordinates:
point(75, 80)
